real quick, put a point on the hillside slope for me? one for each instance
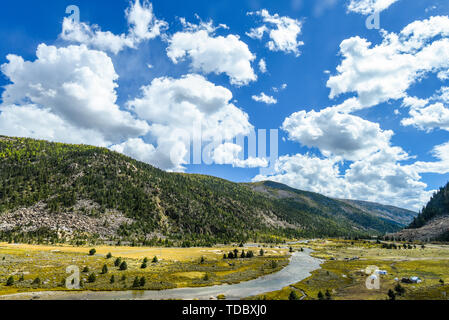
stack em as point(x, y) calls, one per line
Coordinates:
point(60, 191)
point(433, 221)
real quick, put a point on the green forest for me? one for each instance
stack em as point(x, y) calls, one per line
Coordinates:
point(186, 209)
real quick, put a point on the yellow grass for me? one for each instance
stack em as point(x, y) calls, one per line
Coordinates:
point(170, 254)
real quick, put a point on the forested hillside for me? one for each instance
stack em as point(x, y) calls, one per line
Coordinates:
point(59, 192)
point(438, 206)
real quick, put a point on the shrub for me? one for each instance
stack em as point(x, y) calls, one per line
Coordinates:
point(109, 256)
point(155, 260)
point(117, 262)
point(399, 289)
point(104, 270)
point(92, 278)
point(261, 252)
point(293, 296)
point(143, 281)
point(112, 280)
point(92, 252)
point(37, 281)
point(86, 269)
point(144, 265)
point(136, 282)
point(10, 281)
point(391, 295)
point(123, 266)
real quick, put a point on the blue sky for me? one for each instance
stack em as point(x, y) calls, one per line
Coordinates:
point(390, 146)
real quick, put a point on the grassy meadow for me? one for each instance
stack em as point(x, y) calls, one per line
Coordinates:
point(175, 267)
point(343, 272)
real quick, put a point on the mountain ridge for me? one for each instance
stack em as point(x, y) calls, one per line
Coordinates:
point(54, 190)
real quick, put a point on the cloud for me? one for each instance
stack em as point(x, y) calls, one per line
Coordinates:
point(143, 25)
point(74, 87)
point(182, 110)
point(367, 7)
point(378, 178)
point(33, 122)
point(428, 116)
point(337, 134)
point(265, 99)
point(386, 71)
point(283, 32)
point(213, 54)
point(281, 88)
point(262, 66)
point(226, 153)
point(443, 75)
point(441, 152)
point(231, 154)
point(137, 148)
point(251, 162)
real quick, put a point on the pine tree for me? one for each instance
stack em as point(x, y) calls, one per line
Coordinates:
point(293, 295)
point(136, 282)
point(92, 278)
point(10, 281)
point(123, 266)
point(391, 295)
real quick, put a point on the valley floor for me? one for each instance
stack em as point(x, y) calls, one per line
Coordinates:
point(344, 272)
point(175, 267)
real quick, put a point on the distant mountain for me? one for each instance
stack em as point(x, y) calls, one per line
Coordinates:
point(76, 192)
point(368, 214)
point(401, 216)
point(433, 221)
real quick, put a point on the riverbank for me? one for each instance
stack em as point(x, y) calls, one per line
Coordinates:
point(300, 267)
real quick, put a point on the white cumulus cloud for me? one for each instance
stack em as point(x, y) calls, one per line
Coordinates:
point(367, 7)
point(182, 110)
point(213, 54)
point(143, 25)
point(337, 134)
point(262, 97)
point(386, 71)
point(74, 87)
point(282, 31)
